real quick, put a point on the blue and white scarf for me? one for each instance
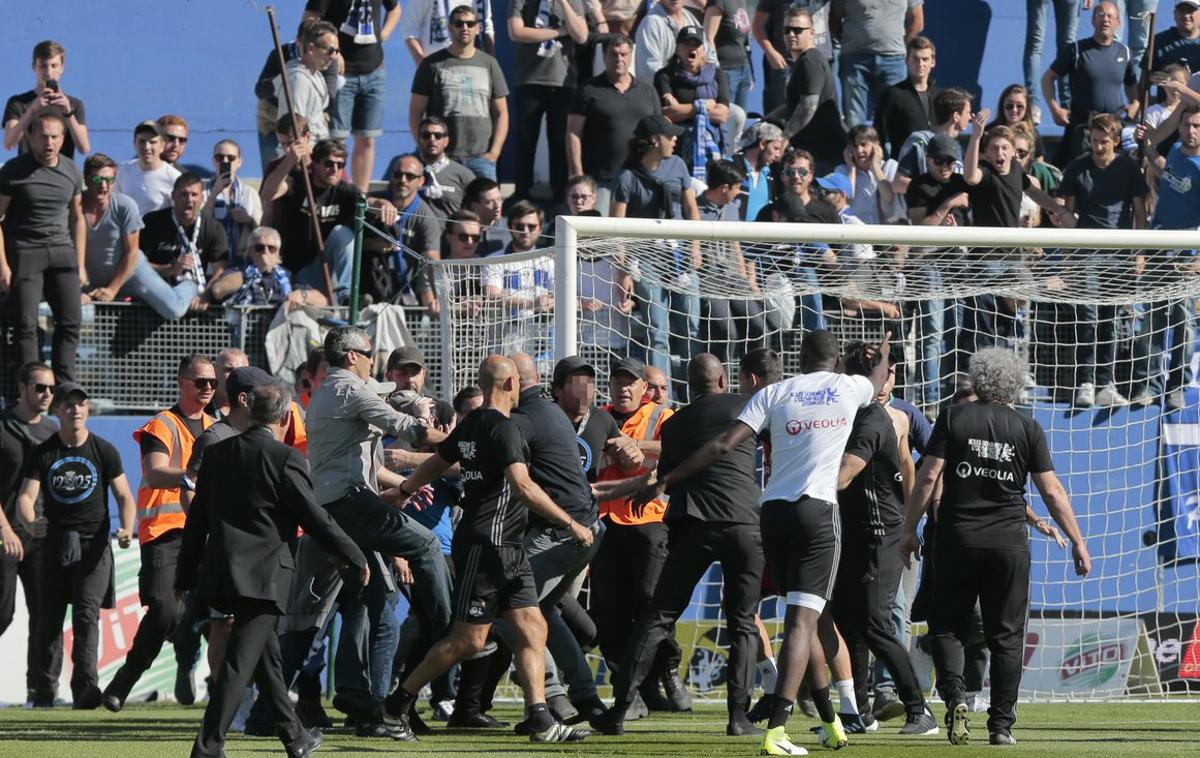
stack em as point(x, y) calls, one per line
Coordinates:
point(252, 291)
point(545, 20)
point(706, 139)
point(360, 24)
point(222, 212)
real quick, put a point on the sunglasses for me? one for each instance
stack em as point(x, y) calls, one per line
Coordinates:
point(262, 247)
point(948, 161)
point(433, 135)
point(464, 24)
point(464, 237)
point(794, 172)
point(335, 165)
point(364, 353)
point(525, 227)
point(98, 180)
point(42, 389)
point(174, 138)
point(1014, 106)
point(1022, 154)
point(406, 176)
point(579, 198)
point(220, 157)
point(204, 383)
point(331, 50)
point(796, 29)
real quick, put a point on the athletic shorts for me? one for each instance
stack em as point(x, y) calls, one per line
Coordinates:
point(802, 540)
point(490, 581)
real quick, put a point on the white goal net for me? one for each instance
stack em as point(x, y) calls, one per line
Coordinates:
point(1104, 319)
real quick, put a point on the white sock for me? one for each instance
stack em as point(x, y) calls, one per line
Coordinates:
point(845, 690)
point(769, 673)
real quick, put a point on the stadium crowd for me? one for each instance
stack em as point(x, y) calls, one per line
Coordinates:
point(491, 520)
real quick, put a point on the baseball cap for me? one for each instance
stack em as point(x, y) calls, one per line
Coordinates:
point(66, 389)
point(836, 182)
point(628, 365)
point(405, 356)
point(652, 126)
point(690, 33)
point(943, 146)
point(151, 127)
point(245, 379)
point(380, 388)
point(1193, 4)
point(572, 364)
point(791, 208)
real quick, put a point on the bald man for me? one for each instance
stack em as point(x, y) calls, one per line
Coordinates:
point(227, 360)
point(492, 567)
point(658, 386)
point(713, 516)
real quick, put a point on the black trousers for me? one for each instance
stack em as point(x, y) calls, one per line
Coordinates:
point(868, 575)
point(731, 328)
point(624, 574)
point(165, 619)
point(50, 272)
point(693, 546)
point(533, 103)
point(252, 650)
point(82, 585)
point(999, 580)
point(29, 572)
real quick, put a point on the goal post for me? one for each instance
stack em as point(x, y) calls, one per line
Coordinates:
point(1102, 317)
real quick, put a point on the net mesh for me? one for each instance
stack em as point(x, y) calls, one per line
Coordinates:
point(1097, 327)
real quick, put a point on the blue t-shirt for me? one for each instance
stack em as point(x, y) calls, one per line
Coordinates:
point(755, 195)
point(1179, 192)
point(447, 491)
point(1099, 75)
point(641, 198)
point(1171, 47)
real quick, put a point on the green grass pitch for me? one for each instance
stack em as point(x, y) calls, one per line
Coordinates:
point(1154, 730)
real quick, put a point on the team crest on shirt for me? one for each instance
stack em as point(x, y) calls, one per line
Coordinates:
point(466, 450)
point(475, 611)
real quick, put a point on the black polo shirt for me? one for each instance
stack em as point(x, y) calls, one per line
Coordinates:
point(554, 456)
point(727, 491)
point(609, 119)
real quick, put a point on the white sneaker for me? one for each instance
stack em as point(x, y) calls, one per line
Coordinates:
point(1143, 397)
point(1085, 396)
point(977, 703)
point(1176, 400)
point(1108, 397)
point(1035, 112)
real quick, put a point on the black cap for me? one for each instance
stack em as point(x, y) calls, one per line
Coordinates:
point(405, 356)
point(690, 33)
point(791, 208)
point(66, 389)
point(943, 146)
point(572, 364)
point(628, 365)
point(245, 379)
point(652, 126)
point(148, 126)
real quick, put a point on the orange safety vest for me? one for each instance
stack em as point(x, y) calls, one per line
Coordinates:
point(645, 424)
point(296, 436)
point(160, 510)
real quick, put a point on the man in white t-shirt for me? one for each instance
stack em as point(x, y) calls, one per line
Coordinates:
point(148, 179)
point(808, 419)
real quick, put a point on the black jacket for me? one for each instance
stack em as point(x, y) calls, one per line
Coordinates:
point(900, 112)
point(726, 491)
point(252, 492)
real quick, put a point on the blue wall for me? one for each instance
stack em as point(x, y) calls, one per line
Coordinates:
point(135, 59)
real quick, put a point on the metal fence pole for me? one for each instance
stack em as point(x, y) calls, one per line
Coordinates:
point(360, 216)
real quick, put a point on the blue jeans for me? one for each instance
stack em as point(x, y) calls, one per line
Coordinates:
point(774, 87)
point(931, 320)
point(1066, 21)
point(812, 310)
point(1137, 26)
point(368, 619)
point(168, 300)
point(740, 79)
point(1174, 317)
point(339, 251)
point(358, 107)
point(268, 148)
point(482, 167)
point(864, 76)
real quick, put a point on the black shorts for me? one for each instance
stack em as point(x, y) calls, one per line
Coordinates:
point(490, 581)
point(802, 540)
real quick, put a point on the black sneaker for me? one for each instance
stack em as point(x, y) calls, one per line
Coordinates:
point(415, 722)
point(920, 724)
point(740, 726)
point(185, 686)
point(1001, 737)
point(112, 702)
point(887, 706)
point(561, 708)
point(462, 720)
point(312, 715)
point(397, 729)
point(678, 697)
point(760, 711)
point(586, 711)
point(611, 722)
point(560, 733)
point(305, 747)
point(88, 701)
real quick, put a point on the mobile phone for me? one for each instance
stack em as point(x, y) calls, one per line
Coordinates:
point(52, 85)
point(226, 168)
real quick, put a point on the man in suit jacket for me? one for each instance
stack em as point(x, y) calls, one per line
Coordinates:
point(253, 491)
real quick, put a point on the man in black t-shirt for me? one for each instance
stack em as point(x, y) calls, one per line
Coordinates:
point(358, 107)
point(49, 59)
point(711, 517)
point(183, 244)
point(74, 471)
point(597, 433)
point(491, 565)
point(988, 450)
point(23, 426)
point(871, 486)
point(813, 121)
